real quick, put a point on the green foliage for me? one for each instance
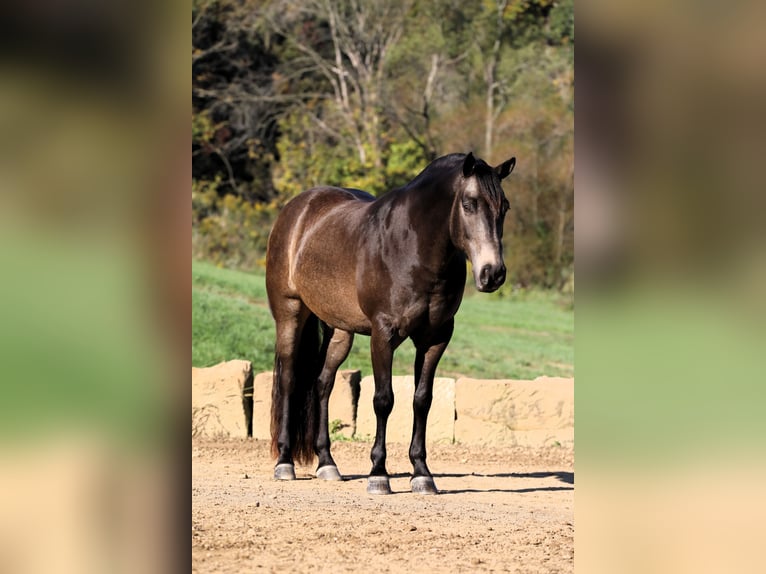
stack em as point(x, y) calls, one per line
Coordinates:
point(202, 127)
point(228, 230)
point(336, 434)
point(289, 95)
point(562, 22)
point(405, 160)
point(233, 105)
point(340, 165)
point(309, 159)
point(519, 334)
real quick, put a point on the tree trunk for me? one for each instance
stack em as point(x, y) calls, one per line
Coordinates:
point(490, 109)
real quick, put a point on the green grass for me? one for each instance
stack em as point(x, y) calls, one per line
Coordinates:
point(521, 336)
point(230, 318)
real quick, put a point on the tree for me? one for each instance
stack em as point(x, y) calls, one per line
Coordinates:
point(346, 43)
point(289, 94)
point(235, 100)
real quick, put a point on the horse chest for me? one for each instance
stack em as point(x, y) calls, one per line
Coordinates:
point(415, 311)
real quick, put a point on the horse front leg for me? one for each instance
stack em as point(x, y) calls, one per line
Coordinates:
point(382, 345)
point(338, 344)
point(429, 351)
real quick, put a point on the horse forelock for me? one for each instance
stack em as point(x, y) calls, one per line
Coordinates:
point(487, 183)
point(491, 186)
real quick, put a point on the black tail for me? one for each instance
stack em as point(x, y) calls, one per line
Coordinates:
point(303, 401)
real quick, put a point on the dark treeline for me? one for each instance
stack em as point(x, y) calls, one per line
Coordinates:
point(288, 94)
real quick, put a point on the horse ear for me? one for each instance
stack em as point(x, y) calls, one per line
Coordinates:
point(469, 163)
point(505, 168)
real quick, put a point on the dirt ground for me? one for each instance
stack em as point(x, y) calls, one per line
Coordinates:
point(507, 509)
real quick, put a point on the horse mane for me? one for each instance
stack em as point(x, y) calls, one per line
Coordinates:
point(437, 170)
point(447, 165)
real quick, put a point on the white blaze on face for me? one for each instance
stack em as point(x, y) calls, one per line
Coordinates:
point(483, 247)
point(483, 251)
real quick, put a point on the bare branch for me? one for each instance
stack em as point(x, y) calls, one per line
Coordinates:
point(221, 46)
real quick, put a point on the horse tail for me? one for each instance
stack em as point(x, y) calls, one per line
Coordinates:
point(304, 404)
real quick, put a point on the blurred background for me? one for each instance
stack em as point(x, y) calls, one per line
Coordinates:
point(94, 293)
point(671, 263)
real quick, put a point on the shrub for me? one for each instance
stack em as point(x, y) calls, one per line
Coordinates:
point(229, 230)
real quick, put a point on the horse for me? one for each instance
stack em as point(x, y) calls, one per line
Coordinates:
point(341, 262)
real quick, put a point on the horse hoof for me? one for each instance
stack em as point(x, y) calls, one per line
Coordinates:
point(284, 471)
point(423, 485)
point(378, 485)
point(328, 472)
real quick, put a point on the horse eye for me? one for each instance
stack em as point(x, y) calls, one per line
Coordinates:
point(469, 205)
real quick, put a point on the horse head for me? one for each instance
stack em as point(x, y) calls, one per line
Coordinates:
point(477, 216)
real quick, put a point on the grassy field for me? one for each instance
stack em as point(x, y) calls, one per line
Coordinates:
point(521, 336)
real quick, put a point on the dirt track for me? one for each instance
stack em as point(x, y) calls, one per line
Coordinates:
point(500, 510)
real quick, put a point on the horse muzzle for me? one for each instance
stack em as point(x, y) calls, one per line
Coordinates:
point(490, 278)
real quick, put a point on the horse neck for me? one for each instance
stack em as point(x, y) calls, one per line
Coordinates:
point(431, 212)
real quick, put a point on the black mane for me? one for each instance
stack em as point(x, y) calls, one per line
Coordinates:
point(437, 169)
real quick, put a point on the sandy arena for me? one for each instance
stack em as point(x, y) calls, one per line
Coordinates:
point(503, 509)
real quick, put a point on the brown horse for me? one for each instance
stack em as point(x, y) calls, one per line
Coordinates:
point(341, 262)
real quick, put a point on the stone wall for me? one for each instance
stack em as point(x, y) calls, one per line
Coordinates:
point(227, 400)
point(505, 411)
point(441, 418)
point(221, 399)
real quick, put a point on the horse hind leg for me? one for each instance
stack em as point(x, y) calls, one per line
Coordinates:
point(291, 320)
point(336, 346)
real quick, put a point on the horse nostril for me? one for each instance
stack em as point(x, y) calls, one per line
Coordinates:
point(484, 275)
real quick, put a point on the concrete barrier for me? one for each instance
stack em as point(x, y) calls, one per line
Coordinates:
point(342, 407)
point(227, 400)
point(512, 412)
point(219, 401)
point(262, 405)
point(344, 401)
point(441, 418)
